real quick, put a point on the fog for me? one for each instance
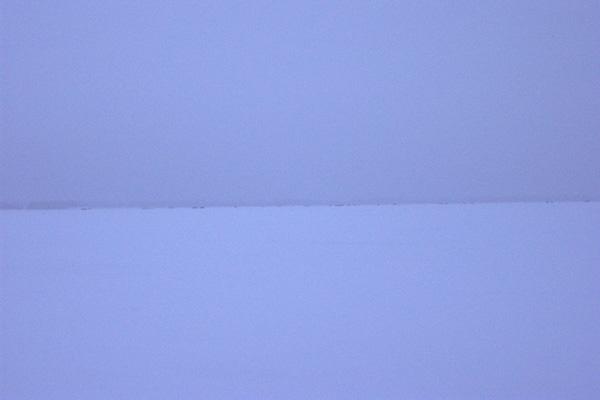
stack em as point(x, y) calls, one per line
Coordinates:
point(298, 102)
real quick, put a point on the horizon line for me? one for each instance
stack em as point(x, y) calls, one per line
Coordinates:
point(72, 205)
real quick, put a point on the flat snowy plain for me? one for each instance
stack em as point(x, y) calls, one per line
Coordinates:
point(493, 301)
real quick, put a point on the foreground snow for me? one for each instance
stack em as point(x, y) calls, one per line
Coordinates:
point(406, 302)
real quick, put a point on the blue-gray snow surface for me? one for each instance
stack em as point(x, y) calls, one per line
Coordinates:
point(496, 301)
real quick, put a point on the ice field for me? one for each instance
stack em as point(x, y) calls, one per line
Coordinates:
point(496, 301)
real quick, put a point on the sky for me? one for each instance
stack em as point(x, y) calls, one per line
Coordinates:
point(278, 102)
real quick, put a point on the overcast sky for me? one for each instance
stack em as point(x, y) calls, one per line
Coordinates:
point(257, 102)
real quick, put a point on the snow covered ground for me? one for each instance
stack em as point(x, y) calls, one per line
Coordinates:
point(393, 302)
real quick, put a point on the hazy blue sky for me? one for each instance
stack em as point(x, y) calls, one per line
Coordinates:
point(267, 101)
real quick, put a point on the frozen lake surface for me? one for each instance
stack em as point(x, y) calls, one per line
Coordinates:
point(392, 302)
